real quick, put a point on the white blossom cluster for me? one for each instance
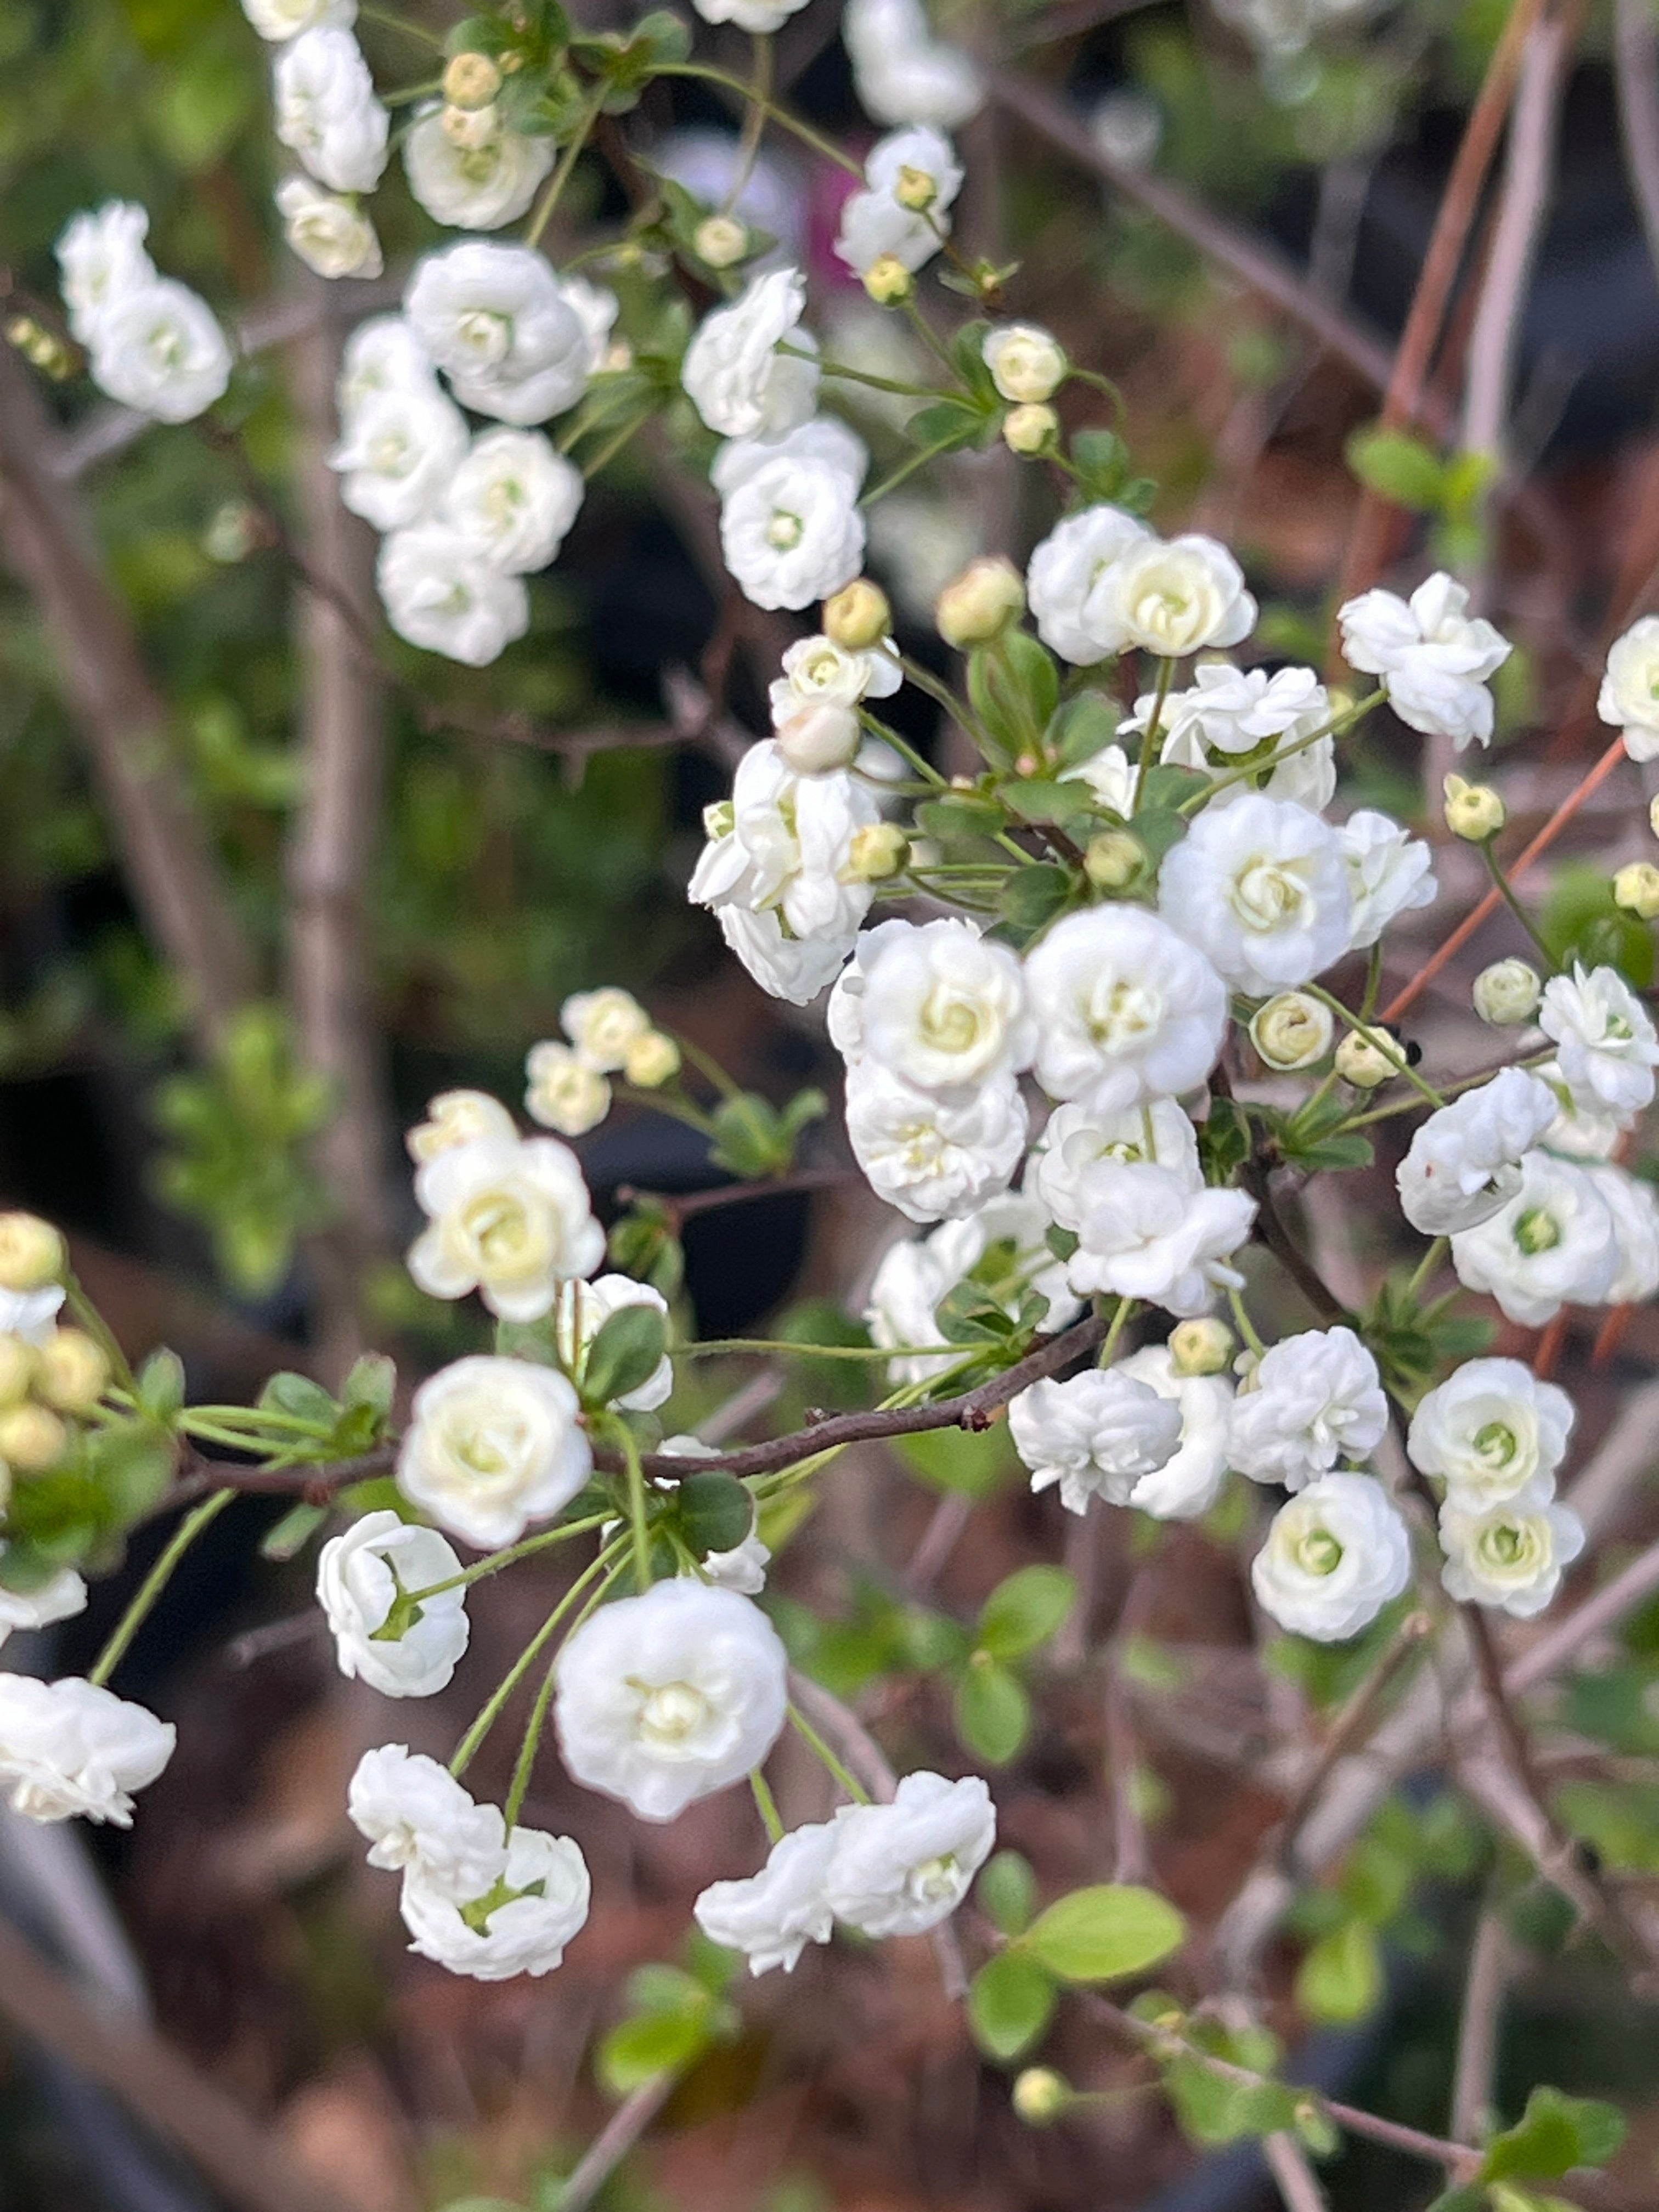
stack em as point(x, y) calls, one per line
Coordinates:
point(154, 345)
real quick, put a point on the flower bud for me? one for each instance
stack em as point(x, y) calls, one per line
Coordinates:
point(470, 81)
point(818, 737)
point(1025, 363)
point(916, 189)
point(1636, 887)
point(1030, 430)
point(1473, 811)
point(18, 1368)
point(979, 605)
point(73, 1373)
point(32, 1252)
point(879, 850)
point(1368, 1059)
point(1292, 1030)
point(1041, 2096)
point(1653, 816)
point(888, 281)
point(720, 240)
point(1507, 991)
point(470, 129)
point(859, 617)
point(1115, 859)
point(32, 1438)
point(652, 1060)
point(1200, 1347)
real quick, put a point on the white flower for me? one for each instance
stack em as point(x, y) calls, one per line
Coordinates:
point(1464, 1162)
point(793, 968)
point(1489, 1430)
point(474, 187)
point(667, 1697)
point(160, 349)
point(68, 1749)
point(492, 1445)
point(513, 498)
point(899, 1870)
point(1434, 659)
point(1126, 1009)
point(929, 1157)
point(1232, 717)
point(1144, 1232)
point(1634, 1207)
point(733, 363)
point(782, 845)
point(456, 1117)
point(545, 1900)
point(1607, 1049)
point(1629, 697)
point(1174, 597)
point(944, 1008)
point(1097, 1436)
point(1317, 1399)
point(499, 324)
point(277, 20)
point(414, 1811)
point(582, 1311)
point(1158, 1133)
point(100, 259)
point(758, 17)
point(1111, 775)
point(1334, 1556)
point(1577, 1131)
point(59, 1598)
point(361, 1576)
point(1069, 583)
point(1552, 1243)
point(1389, 872)
point(1026, 362)
point(398, 455)
point(1507, 992)
point(819, 672)
point(1261, 889)
point(509, 1217)
point(825, 440)
point(564, 1094)
point(443, 595)
point(604, 1026)
point(31, 1314)
point(742, 1568)
point(902, 72)
point(1189, 1483)
point(326, 112)
point(915, 1275)
point(382, 355)
point(791, 533)
point(331, 235)
point(773, 1915)
point(911, 179)
point(1511, 1554)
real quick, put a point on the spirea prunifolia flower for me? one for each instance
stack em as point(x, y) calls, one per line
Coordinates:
point(1629, 697)
point(413, 1811)
point(482, 186)
point(455, 1118)
point(493, 1444)
point(1489, 1432)
point(669, 1697)
point(771, 1916)
point(816, 672)
point(934, 1157)
point(1552, 1243)
point(60, 1597)
point(942, 1008)
point(1316, 1399)
point(1606, 1046)
point(1511, 1554)
point(510, 1218)
point(900, 1868)
point(1189, 1483)
point(1002, 1245)
point(521, 1925)
point(100, 260)
point(1633, 1205)
point(581, 1312)
point(1100, 582)
point(1158, 1133)
point(441, 594)
point(791, 529)
point(734, 373)
point(1390, 872)
point(1434, 659)
point(511, 498)
point(399, 452)
point(158, 348)
point(69, 1750)
point(1231, 718)
point(326, 112)
point(381, 354)
point(360, 1576)
point(760, 18)
point(504, 330)
point(911, 180)
point(277, 20)
point(1126, 1009)
point(1333, 1558)
point(1145, 1233)
point(1097, 1435)
point(328, 231)
point(902, 72)
point(1261, 889)
point(1464, 1161)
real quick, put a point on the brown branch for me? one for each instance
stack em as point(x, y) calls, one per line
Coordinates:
point(1592, 1619)
point(615, 2140)
point(1270, 1229)
point(1636, 76)
point(1490, 1960)
point(1350, 1728)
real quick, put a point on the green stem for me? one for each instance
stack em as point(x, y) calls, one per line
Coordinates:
point(609, 450)
point(525, 1766)
point(639, 1527)
point(567, 163)
point(99, 1329)
point(931, 338)
point(1246, 1326)
point(1426, 1266)
point(1384, 1043)
point(497, 1560)
point(762, 1344)
point(766, 1805)
point(491, 1712)
point(816, 1744)
point(1494, 869)
point(155, 1582)
point(1154, 731)
point(406, 93)
point(908, 469)
point(1338, 726)
point(1120, 1321)
point(774, 114)
point(370, 14)
point(848, 374)
point(678, 1109)
point(877, 728)
point(1373, 988)
point(1450, 1091)
point(754, 122)
point(706, 1065)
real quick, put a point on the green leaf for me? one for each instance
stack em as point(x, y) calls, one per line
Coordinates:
point(293, 1532)
point(1340, 1978)
point(993, 1711)
point(1224, 1141)
point(297, 1395)
point(968, 352)
point(1081, 728)
point(160, 1387)
point(1013, 685)
point(372, 1384)
point(1025, 1610)
point(1158, 828)
point(1213, 2108)
point(624, 1354)
point(1006, 1891)
point(1101, 1934)
point(1010, 2002)
point(1399, 468)
point(1035, 895)
point(637, 2051)
point(1553, 2134)
point(1036, 799)
point(964, 814)
point(1102, 461)
point(715, 1512)
point(749, 1138)
point(943, 425)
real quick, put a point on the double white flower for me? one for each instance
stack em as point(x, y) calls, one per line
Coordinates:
point(1464, 1161)
point(902, 72)
point(1333, 1558)
point(916, 1274)
point(1316, 1398)
point(1433, 657)
point(68, 1749)
point(474, 187)
point(1490, 1430)
point(156, 345)
point(326, 110)
point(911, 180)
point(1233, 718)
point(1126, 1009)
point(362, 1574)
point(1629, 697)
point(514, 341)
point(1511, 1554)
point(733, 373)
point(1100, 582)
point(933, 1155)
point(510, 1218)
point(1261, 889)
point(1189, 1483)
point(1552, 1243)
point(1098, 1434)
point(1606, 1046)
point(493, 1444)
point(791, 530)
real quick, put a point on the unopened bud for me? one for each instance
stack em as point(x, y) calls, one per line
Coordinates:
point(916, 189)
point(1030, 431)
point(652, 1059)
point(18, 1368)
point(41, 348)
point(888, 281)
point(1200, 1347)
point(74, 1372)
point(1114, 859)
point(822, 735)
point(1041, 2096)
point(1473, 811)
point(874, 853)
point(470, 129)
point(1368, 1059)
point(720, 240)
point(1653, 815)
point(979, 605)
point(1636, 887)
point(1509, 991)
point(470, 81)
point(1025, 363)
point(32, 1438)
point(1292, 1030)
point(32, 1252)
point(859, 617)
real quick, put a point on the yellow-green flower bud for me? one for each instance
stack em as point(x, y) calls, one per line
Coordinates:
point(1368, 1059)
point(916, 189)
point(720, 240)
point(874, 853)
point(888, 281)
point(1114, 859)
point(1509, 991)
point(32, 1252)
point(470, 81)
point(1292, 1030)
point(1030, 431)
point(1653, 815)
point(859, 617)
point(74, 1372)
point(32, 1438)
point(1202, 1347)
point(652, 1060)
point(1473, 811)
point(1636, 887)
point(18, 1366)
point(980, 603)
point(471, 130)
point(1041, 2096)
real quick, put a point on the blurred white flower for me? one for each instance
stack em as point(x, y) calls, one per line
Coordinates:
point(382, 355)
point(474, 187)
point(791, 532)
point(758, 17)
point(564, 1093)
point(912, 178)
point(734, 375)
point(901, 73)
point(68, 1749)
point(773, 1915)
point(1334, 1556)
point(60, 1597)
point(1316, 1399)
point(1633, 1205)
point(456, 1117)
point(362, 1574)
point(1629, 697)
point(277, 20)
point(100, 259)
point(328, 231)
point(497, 321)
point(1464, 1161)
point(512, 498)
point(159, 349)
point(441, 594)
point(326, 112)
point(398, 455)
point(1434, 658)
point(1070, 580)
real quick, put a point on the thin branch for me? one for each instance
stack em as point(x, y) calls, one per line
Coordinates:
point(1294, 2178)
point(1351, 1728)
point(1490, 1961)
point(612, 2144)
point(1594, 1618)
point(1636, 76)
